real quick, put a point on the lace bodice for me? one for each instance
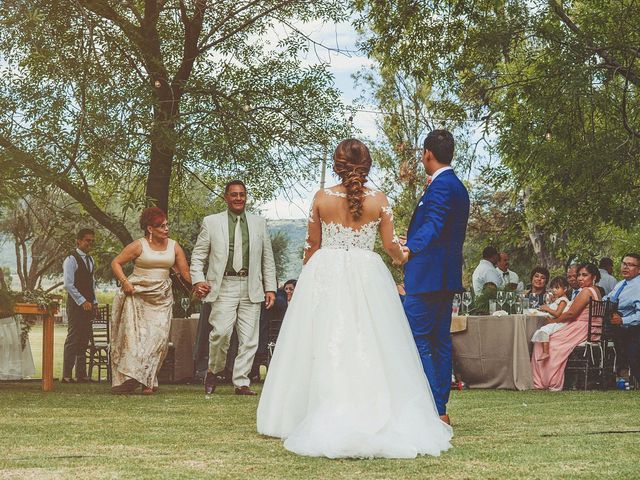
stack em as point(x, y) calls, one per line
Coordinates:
point(335, 235)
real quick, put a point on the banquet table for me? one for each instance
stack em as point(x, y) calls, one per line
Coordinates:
point(183, 336)
point(494, 352)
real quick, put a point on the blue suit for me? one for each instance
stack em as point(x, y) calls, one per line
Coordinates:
point(433, 274)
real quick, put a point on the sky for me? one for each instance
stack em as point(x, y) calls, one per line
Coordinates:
point(342, 66)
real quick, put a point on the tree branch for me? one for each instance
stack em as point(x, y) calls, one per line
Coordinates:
point(609, 61)
point(14, 154)
point(248, 22)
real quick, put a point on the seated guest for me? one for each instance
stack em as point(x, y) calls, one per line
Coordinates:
point(607, 280)
point(539, 279)
point(510, 279)
point(289, 287)
point(560, 304)
point(572, 278)
point(627, 319)
point(486, 270)
point(548, 371)
point(142, 308)
point(276, 313)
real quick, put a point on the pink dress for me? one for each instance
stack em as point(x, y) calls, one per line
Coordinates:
point(549, 373)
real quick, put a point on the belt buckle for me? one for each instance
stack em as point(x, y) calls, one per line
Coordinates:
point(243, 273)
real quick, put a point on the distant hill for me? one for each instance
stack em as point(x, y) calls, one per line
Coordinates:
point(296, 230)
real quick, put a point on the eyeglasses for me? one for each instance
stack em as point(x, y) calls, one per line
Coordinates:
point(629, 265)
point(163, 225)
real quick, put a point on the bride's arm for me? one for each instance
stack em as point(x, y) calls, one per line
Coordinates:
point(314, 231)
point(390, 241)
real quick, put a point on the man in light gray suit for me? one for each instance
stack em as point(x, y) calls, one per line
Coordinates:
point(241, 275)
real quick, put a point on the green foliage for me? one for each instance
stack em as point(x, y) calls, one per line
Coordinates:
point(554, 90)
point(120, 104)
point(280, 246)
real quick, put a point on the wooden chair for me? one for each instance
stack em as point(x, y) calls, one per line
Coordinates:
point(98, 350)
point(596, 355)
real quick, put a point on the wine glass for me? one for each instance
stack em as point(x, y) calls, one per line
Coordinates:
point(456, 303)
point(466, 300)
point(500, 298)
point(184, 303)
point(511, 301)
point(524, 303)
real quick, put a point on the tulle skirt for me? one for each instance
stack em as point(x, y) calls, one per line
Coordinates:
point(346, 379)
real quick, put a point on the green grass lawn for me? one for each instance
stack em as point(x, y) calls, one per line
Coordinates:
point(83, 430)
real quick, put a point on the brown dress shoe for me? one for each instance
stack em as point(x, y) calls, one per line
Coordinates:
point(445, 419)
point(244, 390)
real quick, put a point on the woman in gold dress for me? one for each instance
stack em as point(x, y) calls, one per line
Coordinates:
point(142, 309)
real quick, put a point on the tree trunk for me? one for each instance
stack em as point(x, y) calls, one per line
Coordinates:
point(163, 147)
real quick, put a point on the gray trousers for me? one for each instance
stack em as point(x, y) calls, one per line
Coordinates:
point(78, 335)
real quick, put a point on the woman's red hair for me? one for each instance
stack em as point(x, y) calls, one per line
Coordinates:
point(151, 217)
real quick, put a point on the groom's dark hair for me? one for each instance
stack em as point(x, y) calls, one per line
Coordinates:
point(441, 144)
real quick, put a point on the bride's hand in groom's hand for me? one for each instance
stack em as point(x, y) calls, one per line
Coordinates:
point(405, 254)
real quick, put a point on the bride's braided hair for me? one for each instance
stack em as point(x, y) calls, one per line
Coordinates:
point(351, 162)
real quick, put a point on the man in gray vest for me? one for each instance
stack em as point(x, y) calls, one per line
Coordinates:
point(79, 283)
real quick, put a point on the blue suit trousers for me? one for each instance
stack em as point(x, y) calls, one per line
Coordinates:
point(429, 316)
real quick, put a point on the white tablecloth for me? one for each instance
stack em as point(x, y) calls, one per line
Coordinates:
point(15, 363)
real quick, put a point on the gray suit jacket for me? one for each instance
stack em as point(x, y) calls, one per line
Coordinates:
point(213, 245)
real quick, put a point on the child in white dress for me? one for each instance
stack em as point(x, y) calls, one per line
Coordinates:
point(559, 286)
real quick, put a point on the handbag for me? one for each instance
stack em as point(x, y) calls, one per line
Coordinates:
point(179, 283)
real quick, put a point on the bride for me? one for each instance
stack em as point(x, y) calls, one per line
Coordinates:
point(346, 379)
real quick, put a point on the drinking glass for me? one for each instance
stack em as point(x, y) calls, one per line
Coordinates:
point(456, 304)
point(500, 298)
point(511, 301)
point(492, 307)
point(524, 303)
point(466, 301)
point(184, 303)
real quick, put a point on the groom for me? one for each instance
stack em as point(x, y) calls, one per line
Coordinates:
point(433, 273)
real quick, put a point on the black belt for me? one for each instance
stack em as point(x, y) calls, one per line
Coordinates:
point(242, 273)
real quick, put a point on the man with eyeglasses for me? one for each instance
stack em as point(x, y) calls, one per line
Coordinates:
point(627, 318)
point(241, 275)
point(80, 285)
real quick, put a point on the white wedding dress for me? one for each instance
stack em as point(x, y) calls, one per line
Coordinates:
point(346, 379)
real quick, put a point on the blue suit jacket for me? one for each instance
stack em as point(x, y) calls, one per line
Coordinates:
point(435, 237)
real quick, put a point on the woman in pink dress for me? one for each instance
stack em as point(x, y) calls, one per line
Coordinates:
point(548, 374)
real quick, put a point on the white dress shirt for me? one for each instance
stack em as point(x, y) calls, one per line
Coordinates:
point(485, 272)
point(511, 277)
point(69, 267)
point(439, 171)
